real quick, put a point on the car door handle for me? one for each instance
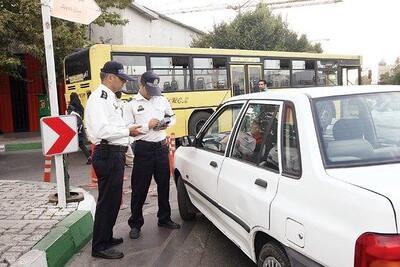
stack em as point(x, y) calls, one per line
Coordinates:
point(261, 182)
point(213, 164)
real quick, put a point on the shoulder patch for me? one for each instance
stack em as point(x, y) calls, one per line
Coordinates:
point(104, 94)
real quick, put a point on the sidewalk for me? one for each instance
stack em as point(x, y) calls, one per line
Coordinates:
point(20, 141)
point(34, 232)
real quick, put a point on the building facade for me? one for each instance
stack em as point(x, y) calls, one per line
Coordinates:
point(145, 28)
point(23, 100)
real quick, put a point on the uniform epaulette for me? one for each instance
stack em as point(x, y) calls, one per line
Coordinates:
point(104, 94)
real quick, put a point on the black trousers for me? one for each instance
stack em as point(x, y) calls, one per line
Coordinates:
point(110, 176)
point(150, 159)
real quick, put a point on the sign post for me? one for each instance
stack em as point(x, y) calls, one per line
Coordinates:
point(51, 78)
point(92, 12)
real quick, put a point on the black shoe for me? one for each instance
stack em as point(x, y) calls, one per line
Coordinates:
point(169, 224)
point(134, 233)
point(108, 254)
point(116, 241)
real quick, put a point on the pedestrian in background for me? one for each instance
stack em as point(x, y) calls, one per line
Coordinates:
point(107, 130)
point(262, 86)
point(153, 112)
point(75, 108)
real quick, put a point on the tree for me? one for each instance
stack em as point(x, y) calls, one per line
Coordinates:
point(256, 30)
point(392, 77)
point(21, 31)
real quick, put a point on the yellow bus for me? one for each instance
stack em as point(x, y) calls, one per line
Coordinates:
point(197, 80)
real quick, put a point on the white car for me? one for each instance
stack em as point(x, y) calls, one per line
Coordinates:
point(300, 177)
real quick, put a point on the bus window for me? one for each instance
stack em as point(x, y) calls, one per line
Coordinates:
point(77, 67)
point(238, 79)
point(254, 75)
point(173, 71)
point(209, 73)
point(133, 66)
point(349, 76)
point(303, 73)
point(327, 74)
point(277, 72)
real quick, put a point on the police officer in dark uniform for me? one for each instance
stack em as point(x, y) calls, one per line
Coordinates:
point(107, 130)
point(154, 114)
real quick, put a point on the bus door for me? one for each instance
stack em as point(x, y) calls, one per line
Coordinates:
point(244, 78)
point(254, 75)
point(350, 75)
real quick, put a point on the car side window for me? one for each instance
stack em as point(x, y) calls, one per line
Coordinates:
point(216, 136)
point(291, 160)
point(256, 141)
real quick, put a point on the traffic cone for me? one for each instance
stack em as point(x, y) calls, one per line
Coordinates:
point(93, 176)
point(47, 169)
point(172, 148)
point(123, 206)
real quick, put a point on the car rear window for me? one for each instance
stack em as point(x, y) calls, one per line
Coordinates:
point(361, 129)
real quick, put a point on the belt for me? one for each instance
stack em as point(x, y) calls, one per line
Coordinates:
point(160, 143)
point(115, 148)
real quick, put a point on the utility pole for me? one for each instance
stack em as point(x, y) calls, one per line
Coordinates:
point(51, 77)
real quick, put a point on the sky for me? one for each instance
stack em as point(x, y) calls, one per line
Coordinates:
point(361, 27)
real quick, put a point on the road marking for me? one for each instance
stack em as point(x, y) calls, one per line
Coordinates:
point(2, 148)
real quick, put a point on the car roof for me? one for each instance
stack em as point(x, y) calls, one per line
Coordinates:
point(317, 92)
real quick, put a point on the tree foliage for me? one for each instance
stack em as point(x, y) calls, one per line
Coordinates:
point(256, 30)
point(392, 77)
point(21, 31)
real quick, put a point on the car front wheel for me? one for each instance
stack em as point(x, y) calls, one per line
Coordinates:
point(273, 255)
point(184, 204)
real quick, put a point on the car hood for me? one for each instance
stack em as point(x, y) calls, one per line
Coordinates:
point(382, 179)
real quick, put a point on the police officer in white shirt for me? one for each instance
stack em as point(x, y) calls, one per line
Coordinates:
point(107, 130)
point(154, 114)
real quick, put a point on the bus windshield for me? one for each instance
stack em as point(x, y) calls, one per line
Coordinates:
point(77, 67)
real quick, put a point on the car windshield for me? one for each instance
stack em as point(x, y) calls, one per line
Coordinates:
point(356, 130)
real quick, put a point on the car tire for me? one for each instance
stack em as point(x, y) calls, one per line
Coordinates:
point(184, 204)
point(272, 254)
point(197, 120)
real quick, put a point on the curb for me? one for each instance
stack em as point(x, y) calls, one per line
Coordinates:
point(67, 238)
point(21, 146)
point(33, 258)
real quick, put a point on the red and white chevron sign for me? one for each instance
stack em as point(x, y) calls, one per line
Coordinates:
point(59, 135)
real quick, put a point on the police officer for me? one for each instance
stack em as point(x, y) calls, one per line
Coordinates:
point(107, 130)
point(154, 114)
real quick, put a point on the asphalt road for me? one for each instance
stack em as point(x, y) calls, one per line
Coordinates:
point(197, 243)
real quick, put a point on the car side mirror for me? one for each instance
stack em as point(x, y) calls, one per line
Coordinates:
point(187, 141)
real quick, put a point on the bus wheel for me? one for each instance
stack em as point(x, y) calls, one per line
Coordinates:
point(197, 121)
point(272, 255)
point(184, 203)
